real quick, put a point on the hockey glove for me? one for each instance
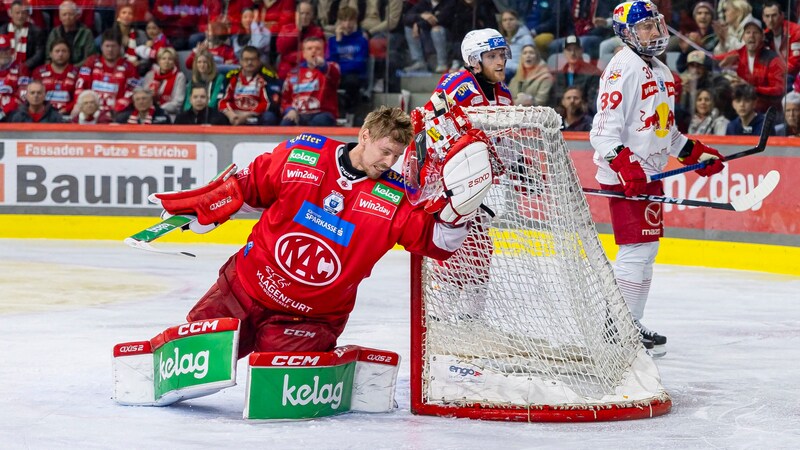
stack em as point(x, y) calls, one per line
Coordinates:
point(213, 203)
point(695, 151)
point(466, 178)
point(630, 172)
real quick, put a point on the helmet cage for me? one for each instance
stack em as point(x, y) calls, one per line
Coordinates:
point(643, 15)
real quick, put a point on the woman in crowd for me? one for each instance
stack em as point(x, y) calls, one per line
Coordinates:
point(166, 82)
point(517, 36)
point(204, 73)
point(729, 30)
point(131, 37)
point(706, 118)
point(88, 107)
point(533, 81)
point(156, 40)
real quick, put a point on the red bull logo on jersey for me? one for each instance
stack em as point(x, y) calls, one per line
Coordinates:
point(661, 121)
point(614, 76)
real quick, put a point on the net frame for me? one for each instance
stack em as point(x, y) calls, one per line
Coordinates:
point(601, 372)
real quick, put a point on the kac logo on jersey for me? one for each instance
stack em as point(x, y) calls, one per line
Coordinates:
point(333, 203)
point(307, 259)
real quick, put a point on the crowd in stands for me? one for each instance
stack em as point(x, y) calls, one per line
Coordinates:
point(305, 62)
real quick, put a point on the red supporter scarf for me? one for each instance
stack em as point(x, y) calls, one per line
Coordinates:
point(130, 49)
point(134, 117)
point(163, 83)
point(19, 45)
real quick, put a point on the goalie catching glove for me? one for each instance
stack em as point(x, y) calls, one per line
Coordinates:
point(213, 204)
point(695, 151)
point(466, 179)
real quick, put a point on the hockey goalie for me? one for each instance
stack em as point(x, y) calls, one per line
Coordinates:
point(331, 210)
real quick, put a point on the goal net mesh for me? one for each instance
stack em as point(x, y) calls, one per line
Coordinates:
point(527, 313)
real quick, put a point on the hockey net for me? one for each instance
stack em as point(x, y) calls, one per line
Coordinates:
point(525, 321)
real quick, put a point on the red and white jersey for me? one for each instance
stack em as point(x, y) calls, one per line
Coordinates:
point(246, 94)
point(13, 84)
point(321, 233)
point(59, 87)
point(114, 84)
point(310, 91)
point(635, 109)
point(466, 91)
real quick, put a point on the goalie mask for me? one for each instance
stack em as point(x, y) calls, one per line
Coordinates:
point(478, 42)
point(641, 27)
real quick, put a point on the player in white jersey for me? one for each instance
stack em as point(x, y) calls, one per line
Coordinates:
point(633, 135)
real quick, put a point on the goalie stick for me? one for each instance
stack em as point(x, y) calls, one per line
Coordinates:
point(739, 204)
point(142, 239)
point(769, 121)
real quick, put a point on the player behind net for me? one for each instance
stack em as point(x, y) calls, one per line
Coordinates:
point(480, 83)
point(331, 210)
point(633, 135)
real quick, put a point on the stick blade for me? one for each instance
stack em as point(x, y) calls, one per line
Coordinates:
point(759, 193)
point(143, 245)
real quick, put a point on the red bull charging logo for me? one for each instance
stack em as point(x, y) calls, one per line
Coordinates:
point(661, 121)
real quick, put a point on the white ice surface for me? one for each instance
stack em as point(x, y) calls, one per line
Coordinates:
point(733, 367)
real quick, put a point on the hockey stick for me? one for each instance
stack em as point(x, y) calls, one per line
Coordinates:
point(769, 121)
point(739, 204)
point(142, 239)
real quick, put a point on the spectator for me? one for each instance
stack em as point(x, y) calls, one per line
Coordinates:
point(791, 116)
point(130, 37)
point(328, 13)
point(13, 79)
point(748, 121)
point(381, 19)
point(143, 111)
point(36, 109)
point(729, 30)
point(782, 36)
point(379, 22)
point(253, 93)
point(428, 23)
point(204, 73)
point(167, 83)
point(576, 72)
point(75, 34)
point(547, 20)
point(350, 50)
point(470, 15)
point(27, 40)
point(216, 43)
point(180, 19)
point(148, 52)
point(88, 110)
point(59, 78)
point(109, 74)
point(274, 14)
point(533, 81)
point(703, 34)
point(707, 118)
point(573, 111)
point(200, 113)
point(292, 34)
point(765, 72)
point(254, 34)
point(517, 36)
point(698, 75)
point(309, 93)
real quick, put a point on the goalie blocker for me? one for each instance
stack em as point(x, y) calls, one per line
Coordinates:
point(196, 359)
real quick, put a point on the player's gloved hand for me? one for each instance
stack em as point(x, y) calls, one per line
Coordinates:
point(213, 203)
point(629, 172)
point(466, 178)
point(695, 151)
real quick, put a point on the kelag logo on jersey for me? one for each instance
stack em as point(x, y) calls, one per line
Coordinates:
point(307, 259)
point(304, 157)
point(308, 140)
point(324, 223)
point(387, 193)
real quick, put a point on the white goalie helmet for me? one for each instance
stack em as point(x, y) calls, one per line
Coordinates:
point(478, 42)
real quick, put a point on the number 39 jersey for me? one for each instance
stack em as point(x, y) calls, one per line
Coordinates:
point(635, 109)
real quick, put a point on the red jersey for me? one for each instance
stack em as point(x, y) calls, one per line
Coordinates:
point(13, 84)
point(59, 87)
point(311, 91)
point(321, 234)
point(277, 14)
point(288, 45)
point(222, 54)
point(113, 84)
point(466, 91)
point(256, 94)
